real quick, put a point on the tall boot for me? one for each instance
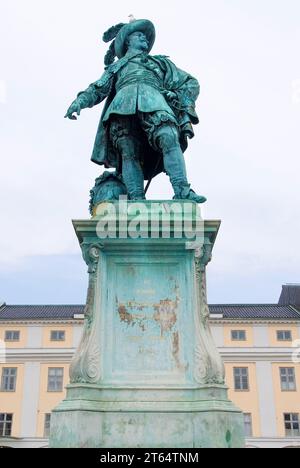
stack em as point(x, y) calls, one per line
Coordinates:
point(175, 167)
point(131, 168)
point(133, 178)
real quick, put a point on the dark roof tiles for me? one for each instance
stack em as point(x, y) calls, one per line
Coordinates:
point(38, 312)
point(228, 311)
point(255, 311)
point(290, 295)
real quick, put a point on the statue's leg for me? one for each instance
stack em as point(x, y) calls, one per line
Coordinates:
point(127, 149)
point(167, 141)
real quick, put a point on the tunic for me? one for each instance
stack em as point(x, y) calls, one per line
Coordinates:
point(139, 88)
point(136, 84)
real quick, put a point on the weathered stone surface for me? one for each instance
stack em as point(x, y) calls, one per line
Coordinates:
point(210, 429)
point(147, 372)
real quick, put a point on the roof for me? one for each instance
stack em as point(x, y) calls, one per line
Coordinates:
point(225, 311)
point(38, 312)
point(255, 311)
point(290, 295)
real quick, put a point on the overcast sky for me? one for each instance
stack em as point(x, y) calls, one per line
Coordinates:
point(245, 157)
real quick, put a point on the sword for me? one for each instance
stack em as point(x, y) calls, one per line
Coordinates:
point(153, 174)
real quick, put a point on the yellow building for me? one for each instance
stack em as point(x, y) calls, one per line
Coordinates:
point(260, 345)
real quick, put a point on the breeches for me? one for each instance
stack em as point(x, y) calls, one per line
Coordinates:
point(160, 129)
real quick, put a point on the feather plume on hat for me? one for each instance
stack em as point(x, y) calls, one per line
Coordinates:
point(119, 33)
point(108, 36)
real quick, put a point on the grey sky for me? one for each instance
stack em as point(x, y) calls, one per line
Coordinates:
point(245, 157)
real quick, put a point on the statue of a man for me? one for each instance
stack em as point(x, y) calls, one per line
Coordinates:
point(148, 115)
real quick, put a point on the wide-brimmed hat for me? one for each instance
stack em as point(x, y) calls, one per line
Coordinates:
point(118, 35)
point(142, 25)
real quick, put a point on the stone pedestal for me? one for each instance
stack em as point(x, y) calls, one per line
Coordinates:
point(147, 372)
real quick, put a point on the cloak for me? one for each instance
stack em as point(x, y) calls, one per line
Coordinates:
point(186, 89)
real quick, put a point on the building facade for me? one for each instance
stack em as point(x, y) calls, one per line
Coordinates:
point(260, 346)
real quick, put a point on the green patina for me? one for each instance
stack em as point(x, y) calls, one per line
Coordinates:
point(147, 372)
point(148, 115)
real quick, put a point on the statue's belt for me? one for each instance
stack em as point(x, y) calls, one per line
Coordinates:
point(145, 78)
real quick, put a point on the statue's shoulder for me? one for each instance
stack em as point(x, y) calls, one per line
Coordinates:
point(108, 74)
point(160, 57)
point(163, 60)
point(116, 66)
point(112, 67)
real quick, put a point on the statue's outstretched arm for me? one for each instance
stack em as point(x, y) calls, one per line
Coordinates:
point(92, 96)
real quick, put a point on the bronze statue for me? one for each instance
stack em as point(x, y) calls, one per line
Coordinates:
point(148, 115)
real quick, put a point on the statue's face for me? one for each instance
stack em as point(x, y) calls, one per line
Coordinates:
point(138, 41)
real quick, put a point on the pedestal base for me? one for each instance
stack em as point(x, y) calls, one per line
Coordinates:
point(195, 418)
point(147, 372)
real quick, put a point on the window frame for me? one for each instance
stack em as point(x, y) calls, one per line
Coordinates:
point(57, 340)
point(291, 432)
point(12, 340)
point(6, 423)
point(284, 339)
point(55, 389)
point(241, 377)
point(244, 332)
point(250, 424)
point(287, 376)
point(47, 423)
point(7, 379)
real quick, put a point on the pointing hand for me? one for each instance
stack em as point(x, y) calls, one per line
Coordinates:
point(74, 108)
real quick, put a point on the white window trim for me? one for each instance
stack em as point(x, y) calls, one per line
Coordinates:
point(8, 378)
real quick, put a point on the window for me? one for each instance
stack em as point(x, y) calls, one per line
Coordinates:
point(288, 379)
point(248, 424)
point(55, 379)
point(8, 380)
point(284, 335)
point(238, 335)
point(5, 424)
point(11, 335)
point(47, 426)
point(291, 422)
point(241, 378)
point(58, 335)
